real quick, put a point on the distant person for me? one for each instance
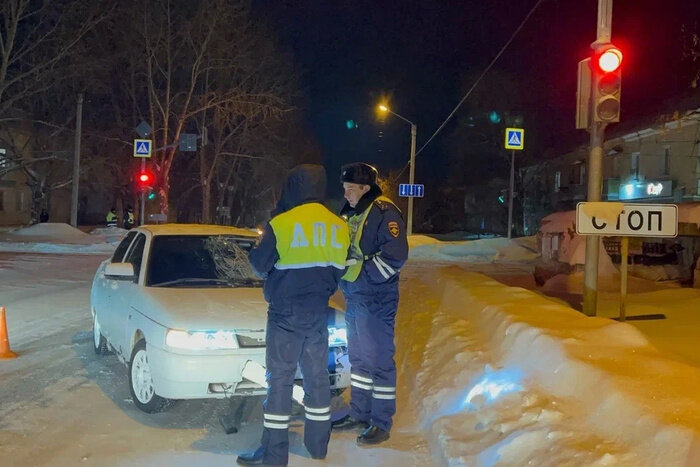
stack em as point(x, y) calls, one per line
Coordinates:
point(129, 219)
point(112, 218)
point(44, 216)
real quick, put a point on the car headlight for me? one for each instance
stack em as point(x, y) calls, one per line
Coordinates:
point(201, 340)
point(337, 337)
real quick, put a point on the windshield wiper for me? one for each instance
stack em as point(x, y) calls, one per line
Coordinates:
point(247, 282)
point(193, 280)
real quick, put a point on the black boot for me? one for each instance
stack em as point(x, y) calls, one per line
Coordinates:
point(372, 435)
point(348, 423)
point(255, 458)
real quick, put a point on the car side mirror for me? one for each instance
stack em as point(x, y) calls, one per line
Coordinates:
point(120, 271)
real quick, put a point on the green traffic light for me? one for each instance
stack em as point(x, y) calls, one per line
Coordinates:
point(501, 199)
point(151, 195)
point(350, 124)
point(494, 117)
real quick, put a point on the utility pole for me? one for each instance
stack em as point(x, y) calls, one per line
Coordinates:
point(409, 226)
point(76, 163)
point(595, 169)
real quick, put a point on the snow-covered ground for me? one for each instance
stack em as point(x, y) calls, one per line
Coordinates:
point(489, 374)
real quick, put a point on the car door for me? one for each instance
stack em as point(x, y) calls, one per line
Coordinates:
point(106, 289)
point(126, 294)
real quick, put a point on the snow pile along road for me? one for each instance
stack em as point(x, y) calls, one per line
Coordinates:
point(500, 375)
point(56, 237)
point(475, 251)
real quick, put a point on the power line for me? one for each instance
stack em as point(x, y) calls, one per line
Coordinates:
point(486, 70)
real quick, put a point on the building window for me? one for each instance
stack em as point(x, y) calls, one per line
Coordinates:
point(557, 180)
point(21, 201)
point(578, 173)
point(2, 201)
point(697, 192)
point(634, 166)
point(667, 161)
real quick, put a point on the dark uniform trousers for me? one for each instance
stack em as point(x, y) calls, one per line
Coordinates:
point(370, 328)
point(296, 334)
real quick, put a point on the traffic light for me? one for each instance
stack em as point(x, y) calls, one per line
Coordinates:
point(144, 180)
point(606, 69)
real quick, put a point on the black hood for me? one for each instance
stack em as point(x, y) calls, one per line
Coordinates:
point(305, 183)
point(367, 199)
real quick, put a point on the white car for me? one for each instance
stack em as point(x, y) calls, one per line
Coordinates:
point(181, 307)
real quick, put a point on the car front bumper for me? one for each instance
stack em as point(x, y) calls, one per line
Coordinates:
point(191, 376)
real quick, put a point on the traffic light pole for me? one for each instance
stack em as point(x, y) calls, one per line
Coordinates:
point(142, 214)
point(595, 172)
point(510, 192)
point(595, 178)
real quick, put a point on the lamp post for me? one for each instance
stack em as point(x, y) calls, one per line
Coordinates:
point(411, 173)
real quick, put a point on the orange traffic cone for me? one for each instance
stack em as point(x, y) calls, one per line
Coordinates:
point(5, 351)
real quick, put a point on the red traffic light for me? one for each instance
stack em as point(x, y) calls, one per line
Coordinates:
point(610, 59)
point(144, 179)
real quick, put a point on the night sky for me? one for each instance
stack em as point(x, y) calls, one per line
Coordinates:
point(420, 54)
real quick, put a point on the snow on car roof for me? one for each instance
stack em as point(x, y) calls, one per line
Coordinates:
point(197, 229)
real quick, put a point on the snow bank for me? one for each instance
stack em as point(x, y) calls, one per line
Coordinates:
point(60, 238)
point(558, 222)
point(632, 405)
point(485, 250)
point(55, 230)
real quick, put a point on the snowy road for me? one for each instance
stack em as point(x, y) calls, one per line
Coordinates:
point(60, 404)
point(488, 375)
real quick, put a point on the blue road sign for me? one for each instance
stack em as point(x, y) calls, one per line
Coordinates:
point(515, 138)
point(411, 191)
point(142, 148)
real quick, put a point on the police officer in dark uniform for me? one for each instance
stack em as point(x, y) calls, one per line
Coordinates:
point(378, 249)
point(301, 255)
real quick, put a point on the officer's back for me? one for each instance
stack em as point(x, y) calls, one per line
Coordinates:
point(303, 249)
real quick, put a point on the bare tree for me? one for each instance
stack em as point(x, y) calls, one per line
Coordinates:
point(37, 39)
point(196, 58)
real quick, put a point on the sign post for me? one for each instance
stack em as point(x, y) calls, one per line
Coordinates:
point(515, 140)
point(142, 149)
point(625, 220)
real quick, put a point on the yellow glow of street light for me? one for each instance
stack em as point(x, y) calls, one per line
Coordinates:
point(383, 108)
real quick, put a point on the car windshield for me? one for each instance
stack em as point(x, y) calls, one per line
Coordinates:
point(201, 261)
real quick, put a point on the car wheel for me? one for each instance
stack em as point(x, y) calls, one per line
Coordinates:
point(141, 382)
point(99, 341)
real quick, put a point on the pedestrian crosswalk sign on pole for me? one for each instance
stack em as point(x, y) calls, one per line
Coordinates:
point(515, 138)
point(142, 147)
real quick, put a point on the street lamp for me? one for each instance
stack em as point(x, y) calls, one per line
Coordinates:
point(414, 129)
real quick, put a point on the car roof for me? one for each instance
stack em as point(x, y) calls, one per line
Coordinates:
point(197, 229)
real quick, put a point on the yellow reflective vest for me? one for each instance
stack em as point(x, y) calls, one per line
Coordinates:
point(309, 236)
point(356, 224)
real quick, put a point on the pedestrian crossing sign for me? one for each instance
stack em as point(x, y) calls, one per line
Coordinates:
point(515, 138)
point(142, 148)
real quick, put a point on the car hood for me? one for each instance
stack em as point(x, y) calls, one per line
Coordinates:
point(205, 309)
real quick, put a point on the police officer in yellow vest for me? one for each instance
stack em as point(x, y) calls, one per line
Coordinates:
point(301, 256)
point(112, 218)
point(371, 287)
